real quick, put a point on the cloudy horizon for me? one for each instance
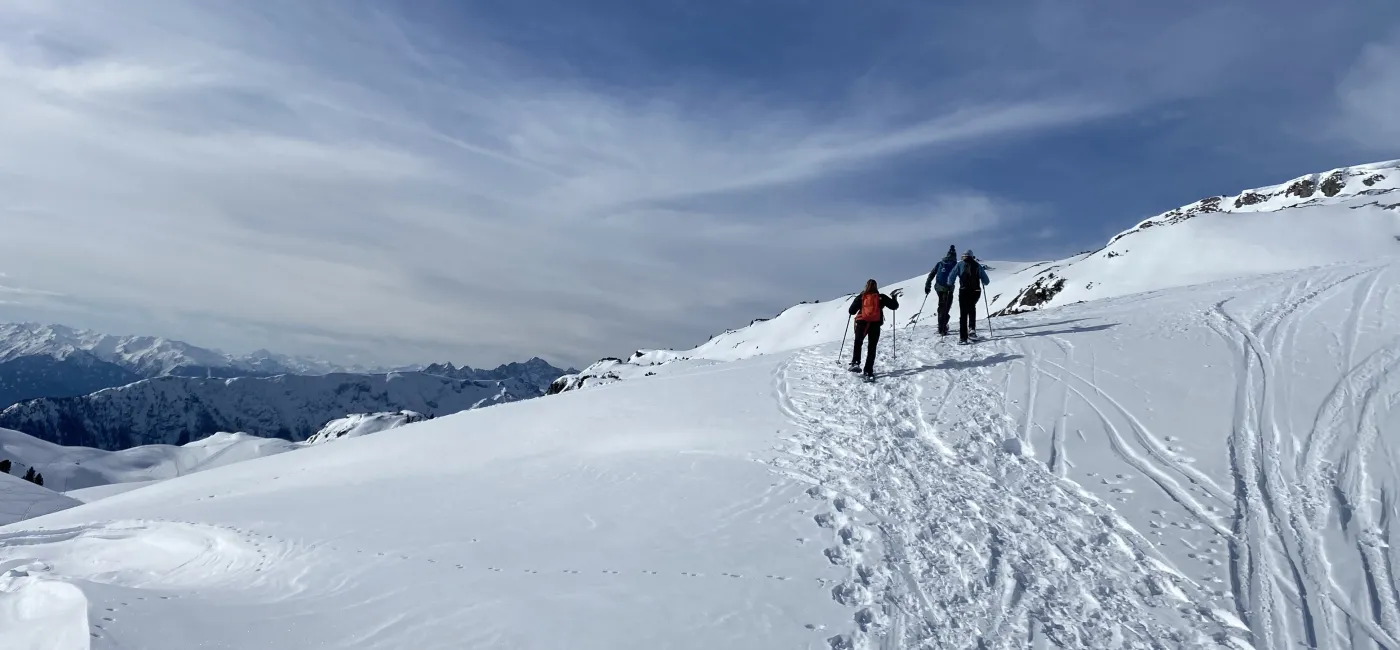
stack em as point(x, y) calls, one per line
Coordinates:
point(394, 183)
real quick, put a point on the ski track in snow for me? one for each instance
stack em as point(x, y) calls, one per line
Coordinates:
point(970, 544)
point(1281, 571)
point(954, 535)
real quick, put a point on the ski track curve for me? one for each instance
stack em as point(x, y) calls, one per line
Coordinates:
point(952, 535)
point(1279, 554)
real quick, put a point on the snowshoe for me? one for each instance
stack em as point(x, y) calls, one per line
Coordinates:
point(853, 368)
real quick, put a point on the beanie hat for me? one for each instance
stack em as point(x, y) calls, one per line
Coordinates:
point(968, 253)
point(952, 251)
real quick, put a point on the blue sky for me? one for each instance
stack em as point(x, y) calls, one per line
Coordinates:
point(484, 181)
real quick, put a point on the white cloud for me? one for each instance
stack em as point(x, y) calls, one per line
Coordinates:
point(1369, 97)
point(212, 171)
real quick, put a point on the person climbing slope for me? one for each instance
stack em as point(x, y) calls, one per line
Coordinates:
point(971, 277)
point(938, 281)
point(869, 311)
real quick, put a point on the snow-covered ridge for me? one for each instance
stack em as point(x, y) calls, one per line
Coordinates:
point(1333, 187)
point(86, 472)
point(68, 468)
point(363, 424)
point(1344, 214)
point(536, 372)
point(176, 410)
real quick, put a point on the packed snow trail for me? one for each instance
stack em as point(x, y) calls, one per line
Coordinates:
point(1192, 467)
point(974, 545)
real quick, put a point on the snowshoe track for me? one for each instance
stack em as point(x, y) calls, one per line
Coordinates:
point(952, 536)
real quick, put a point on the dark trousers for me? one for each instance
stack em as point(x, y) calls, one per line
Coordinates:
point(863, 330)
point(967, 312)
point(945, 307)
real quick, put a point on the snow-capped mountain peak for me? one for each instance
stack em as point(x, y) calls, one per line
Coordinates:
point(150, 356)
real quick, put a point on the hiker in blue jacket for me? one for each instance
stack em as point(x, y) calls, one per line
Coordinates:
point(972, 277)
point(938, 281)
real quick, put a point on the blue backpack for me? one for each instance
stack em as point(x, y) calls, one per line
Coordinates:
point(945, 268)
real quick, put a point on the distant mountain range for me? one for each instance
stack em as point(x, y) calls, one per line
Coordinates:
point(177, 410)
point(150, 356)
point(78, 387)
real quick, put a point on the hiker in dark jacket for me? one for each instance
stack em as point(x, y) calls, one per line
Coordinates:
point(869, 311)
point(971, 277)
point(938, 281)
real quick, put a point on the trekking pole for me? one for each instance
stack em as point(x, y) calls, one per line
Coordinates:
point(920, 315)
point(894, 335)
point(992, 333)
point(843, 339)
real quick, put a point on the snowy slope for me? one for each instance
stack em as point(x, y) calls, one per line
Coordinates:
point(175, 410)
point(631, 519)
point(1346, 214)
point(75, 468)
point(21, 500)
point(1341, 215)
point(1200, 467)
point(799, 326)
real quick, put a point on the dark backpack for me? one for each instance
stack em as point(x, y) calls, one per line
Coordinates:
point(971, 275)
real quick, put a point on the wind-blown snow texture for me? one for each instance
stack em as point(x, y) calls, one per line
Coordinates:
point(176, 410)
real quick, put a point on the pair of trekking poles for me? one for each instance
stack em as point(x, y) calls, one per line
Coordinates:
point(894, 329)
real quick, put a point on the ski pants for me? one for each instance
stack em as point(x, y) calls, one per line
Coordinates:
point(863, 330)
point(945, 308)
point(967, 312)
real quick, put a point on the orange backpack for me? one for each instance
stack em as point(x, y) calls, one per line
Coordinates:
point(870, 308)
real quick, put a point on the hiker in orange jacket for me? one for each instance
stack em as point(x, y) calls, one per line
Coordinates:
point(869, 311)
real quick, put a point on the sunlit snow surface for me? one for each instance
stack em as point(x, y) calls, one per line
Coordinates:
point(1205, 466)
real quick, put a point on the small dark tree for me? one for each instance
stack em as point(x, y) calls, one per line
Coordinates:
point(29, 475)
point(38, 479)
point(5, 466)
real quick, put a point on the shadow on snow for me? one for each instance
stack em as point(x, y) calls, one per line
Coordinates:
point(955, 364)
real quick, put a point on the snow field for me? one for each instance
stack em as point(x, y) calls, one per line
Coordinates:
point(656, 529)
point(1197, 467)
